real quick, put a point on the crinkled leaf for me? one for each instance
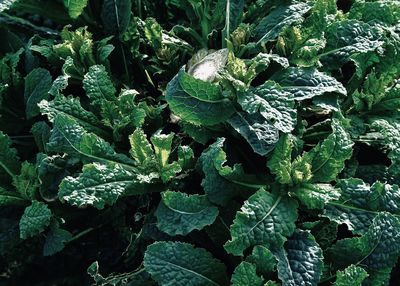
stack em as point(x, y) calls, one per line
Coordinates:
point(179, 213)
point(265, 219)
point(263, 259)
point(9, 161)
point(258, 132)
point(306, 83)
point(98, 85)
point(181, 264)
point(316, 196)
point(273, 103)
point(34, 220)
point(377, 250)
point(300, 262)
point(245, 275)
point(352, 275)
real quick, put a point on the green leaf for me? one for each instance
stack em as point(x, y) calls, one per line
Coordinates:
point(37, 85)
point(75, 7)
point(6, 4)
point(35, 219)
point(180, 264)
point(316, 196)
point(348, 38)
point(352, 275)
point(141, 150)
point(305, 83)
point(41, 134)
point(359, 203)
point(265, 219)
point(69, 137)
point(263, 259)
point(245, 275)
point(116, 15)
point(100, 185)
point(71, 106)
point(280, 163)
point(384, 12)
point(26, 182)
point(328, 157)
point(56, 239)
point(179, 213)
point(203, 106)
point(300, 262)
point(59, 84)
point(274, 104)
point(9, 161)
point(234, 12)
point(98, 85)
point(281, 17)
point(377, 250)
point(162, 150)
point(10, 198)
point(258, 132)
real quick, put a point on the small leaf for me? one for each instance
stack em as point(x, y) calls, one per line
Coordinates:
point(56, 239)
point(35, 219)
point(245, 275)
point(75, 7)
point(352, 275)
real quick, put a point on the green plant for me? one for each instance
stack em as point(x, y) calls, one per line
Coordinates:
point(211, 142)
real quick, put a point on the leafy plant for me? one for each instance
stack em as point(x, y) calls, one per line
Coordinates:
point(212, 142)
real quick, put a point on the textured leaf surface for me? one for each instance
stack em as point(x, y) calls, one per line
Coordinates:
point(180, 264)
point(35, 219)
point(69, 137)
point(274, 104)
point(245, 275)
point(316, 196)
point(97, 186)
point(179, 213)
point(377, 250)
point(281, 17)
point(328, 157)
point(263, 259)
point(37, 85)
point(306, 83)
point(352, 275)
point(300, 262)
point(265, 219)
point(98, 85)
point(258, 132)
point(71, 106)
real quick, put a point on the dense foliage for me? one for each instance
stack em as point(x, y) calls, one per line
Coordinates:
point(200, 142)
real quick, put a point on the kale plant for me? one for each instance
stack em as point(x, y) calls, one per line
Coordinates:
point(200, 142)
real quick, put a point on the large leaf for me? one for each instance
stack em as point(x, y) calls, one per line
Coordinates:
point(265, 219)
point(98, 85)
point(300, 262)
point(306, 83)
point(179, 214)
point(180, 264)
point(328, 157)
point(281, 17)
point(273, 103)
point(37, 85)
point(202, 106)
point(258, 132)
point(234, 11)
point(359, 203)
point(69, 137)
point(99, 185)
point(71, 106)
point(377, 250)
point(116, 15)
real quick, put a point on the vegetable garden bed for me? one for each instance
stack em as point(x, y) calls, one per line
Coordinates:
point(200, 142)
